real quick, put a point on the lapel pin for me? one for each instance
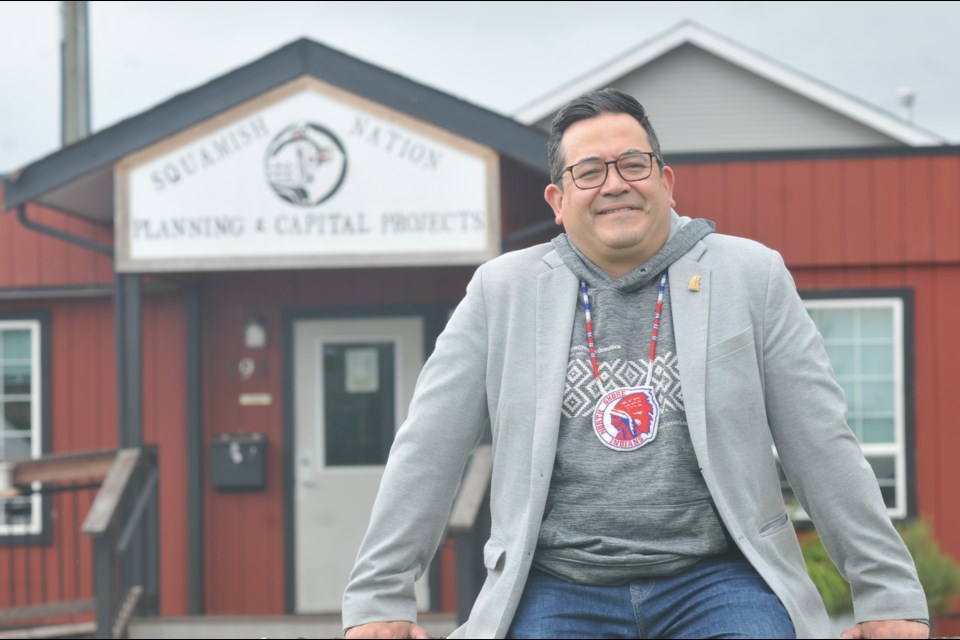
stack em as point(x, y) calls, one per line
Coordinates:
point(694, 283)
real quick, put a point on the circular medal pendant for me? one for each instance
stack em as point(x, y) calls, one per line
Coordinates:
point(626, 418)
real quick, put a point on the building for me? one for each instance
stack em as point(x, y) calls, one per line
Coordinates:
point(250, 275)
point(706, 92)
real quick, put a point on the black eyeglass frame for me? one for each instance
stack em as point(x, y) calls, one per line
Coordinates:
point(616, 163)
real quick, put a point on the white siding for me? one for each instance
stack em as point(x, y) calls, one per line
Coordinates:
point(699, 102)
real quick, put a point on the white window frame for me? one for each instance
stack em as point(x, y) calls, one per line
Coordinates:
point(36, 427)
point(898, 448)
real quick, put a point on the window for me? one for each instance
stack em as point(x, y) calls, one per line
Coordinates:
point(359, 381)
point(864, 339)
point(21, 417)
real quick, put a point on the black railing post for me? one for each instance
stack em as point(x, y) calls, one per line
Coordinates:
point(138, 547)
point(151, 527)
point(104, 583)
point(469, 526)
point(465, 548)
point(471, 570)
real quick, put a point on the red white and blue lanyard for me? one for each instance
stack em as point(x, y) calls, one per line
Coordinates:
point(653, 338)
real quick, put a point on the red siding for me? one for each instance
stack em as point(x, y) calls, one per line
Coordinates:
point(945, 195)
point(890, 222)
point(855, 219)
point(917, 211)
point(31, 259)
point(164, 424)
point(769, 196)
point(800, 244)
point(735, 197)
point(854, 212)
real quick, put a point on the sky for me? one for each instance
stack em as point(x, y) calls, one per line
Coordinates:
point(499, 55)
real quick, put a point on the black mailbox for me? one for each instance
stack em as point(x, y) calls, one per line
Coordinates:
point(238, 461)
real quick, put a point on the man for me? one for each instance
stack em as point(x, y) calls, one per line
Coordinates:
point(698, 338)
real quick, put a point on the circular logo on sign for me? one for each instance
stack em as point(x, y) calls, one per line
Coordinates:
point(626, 418)
point(306, 164)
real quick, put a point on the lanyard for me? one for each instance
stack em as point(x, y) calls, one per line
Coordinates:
point(653, 338)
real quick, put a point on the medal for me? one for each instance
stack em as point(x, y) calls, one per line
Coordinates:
point(626, 418)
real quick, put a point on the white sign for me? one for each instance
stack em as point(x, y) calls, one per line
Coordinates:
point(316, 177)
point(363, 371)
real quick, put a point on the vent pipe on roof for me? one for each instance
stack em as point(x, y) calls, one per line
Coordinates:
point(75, 72)
point(906, 96)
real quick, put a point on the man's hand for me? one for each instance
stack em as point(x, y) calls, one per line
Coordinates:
point(887, 629)
point(399, 629)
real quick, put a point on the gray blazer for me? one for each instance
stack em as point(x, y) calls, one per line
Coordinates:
point(752, 365)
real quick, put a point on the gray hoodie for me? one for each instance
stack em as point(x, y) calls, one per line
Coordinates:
point(614, 516)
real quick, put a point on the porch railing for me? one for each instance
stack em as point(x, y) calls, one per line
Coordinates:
point(53, 577)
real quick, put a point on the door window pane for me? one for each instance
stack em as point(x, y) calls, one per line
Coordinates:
point(877, 397)
point(16, 511)
point(16, 379)
point(14, 448)
point(876, 323)
point(15, 344)
point(877, 359)
point(877, 430)
point(359, 402)
point(16, 417)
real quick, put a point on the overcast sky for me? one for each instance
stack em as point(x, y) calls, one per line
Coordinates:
point(500, 55)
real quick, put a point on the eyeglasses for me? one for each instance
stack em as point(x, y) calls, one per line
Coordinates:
point(633, 166)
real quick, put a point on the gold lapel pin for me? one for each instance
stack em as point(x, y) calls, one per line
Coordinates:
point(694, 283)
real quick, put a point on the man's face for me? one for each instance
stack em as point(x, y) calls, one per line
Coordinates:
point(620, 224)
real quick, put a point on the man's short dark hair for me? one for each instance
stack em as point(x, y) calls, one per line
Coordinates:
point(591, 105)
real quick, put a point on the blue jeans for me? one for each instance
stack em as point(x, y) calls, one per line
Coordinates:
point(720, 597)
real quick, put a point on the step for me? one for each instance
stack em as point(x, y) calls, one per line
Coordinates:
point(292, 626)
point(71, 630)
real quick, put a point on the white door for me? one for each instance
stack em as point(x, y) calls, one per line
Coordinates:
point(353, 381)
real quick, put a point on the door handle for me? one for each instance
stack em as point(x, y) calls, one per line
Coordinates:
point(307, 475)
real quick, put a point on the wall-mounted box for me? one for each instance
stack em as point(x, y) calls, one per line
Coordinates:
point(238, 462)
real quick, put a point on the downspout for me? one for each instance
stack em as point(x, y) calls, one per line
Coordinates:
point(118, 304)
point(59, 233)
point(119, 317)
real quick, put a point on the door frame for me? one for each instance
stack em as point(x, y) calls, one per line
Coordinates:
point(434, 320)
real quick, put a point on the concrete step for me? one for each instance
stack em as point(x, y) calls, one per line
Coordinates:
point(299, 626)
point(72, 630)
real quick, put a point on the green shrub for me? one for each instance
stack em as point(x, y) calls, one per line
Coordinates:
point(832, 587)
point(939, 574)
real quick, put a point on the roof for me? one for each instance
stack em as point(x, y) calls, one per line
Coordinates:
point(78, 178)
point(689, 32)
